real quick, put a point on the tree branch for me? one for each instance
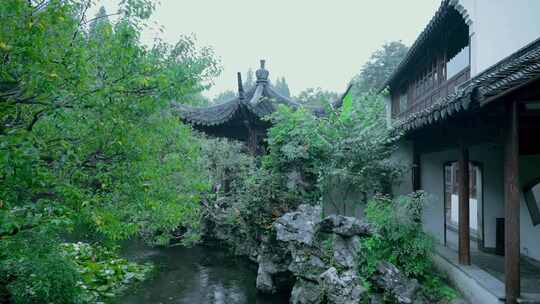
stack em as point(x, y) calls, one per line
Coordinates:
point(83, 15)
point(37, 116)
point(100, 17)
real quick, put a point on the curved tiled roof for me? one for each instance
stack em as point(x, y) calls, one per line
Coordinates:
point(208, 116)
point(428, 32)
point(261, 100)
point(517, 70)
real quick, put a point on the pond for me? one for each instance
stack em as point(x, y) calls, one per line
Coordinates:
point(195, 275)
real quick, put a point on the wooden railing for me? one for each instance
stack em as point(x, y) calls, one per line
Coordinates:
point(430, 97)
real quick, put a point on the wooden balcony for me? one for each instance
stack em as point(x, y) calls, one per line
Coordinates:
point(430, 97)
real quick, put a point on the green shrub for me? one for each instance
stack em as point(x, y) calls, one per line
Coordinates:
point(400, 240)
point(247, 196)
point(351, 146)
point(90, 141)
point(103, 273)
point(306, 155)
point(34, 270)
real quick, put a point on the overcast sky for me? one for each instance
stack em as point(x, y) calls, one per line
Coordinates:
point(312, 43)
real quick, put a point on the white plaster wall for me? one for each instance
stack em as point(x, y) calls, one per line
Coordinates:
point(490, 158)
point(388, 110)
point(499, 28)
point(403, 157)
point(473, 211)
point(432, 176)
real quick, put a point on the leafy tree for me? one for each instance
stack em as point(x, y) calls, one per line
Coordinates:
point(351, 148)
point(98, 22)
point(379, 67)
point(306, 155)
point(316, 97)
point(224, 96)
point(282, 87)
point(196, 98)
point(88, 138)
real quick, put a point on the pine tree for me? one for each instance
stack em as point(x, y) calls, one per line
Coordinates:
point(99, 24)
point(99, 33)
point(379, 67)
point(224, 96)
point(282, 87)
point(250, 80)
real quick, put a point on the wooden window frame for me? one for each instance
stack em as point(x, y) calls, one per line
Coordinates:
point(478, 233)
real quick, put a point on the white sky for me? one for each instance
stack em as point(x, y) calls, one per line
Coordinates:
point(312, 43)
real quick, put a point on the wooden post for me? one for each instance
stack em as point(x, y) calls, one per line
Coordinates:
point(252, 141)
point(463, 229)
point(511, 206)
point(416, 171)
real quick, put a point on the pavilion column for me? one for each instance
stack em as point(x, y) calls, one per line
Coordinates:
point(252, 141)
point(511, 206)
point(463, 229)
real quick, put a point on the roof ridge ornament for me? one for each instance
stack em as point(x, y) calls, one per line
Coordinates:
point(262, 73)
point(240, 86)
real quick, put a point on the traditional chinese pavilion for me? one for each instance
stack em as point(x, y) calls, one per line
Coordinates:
point(241, 117)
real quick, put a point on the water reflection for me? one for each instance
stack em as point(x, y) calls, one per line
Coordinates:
point(195, 275)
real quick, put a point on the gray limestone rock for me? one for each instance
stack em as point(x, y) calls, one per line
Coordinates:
point(306, 292)
point(299, 226)
point(344, 225)
point(306, 264)
point(264, 282)
point(342, 288)
point(395, 283)
point(376, 299)
point(346, 250)
point(273, 261)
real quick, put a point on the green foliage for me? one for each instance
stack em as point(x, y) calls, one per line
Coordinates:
point(434, 287)
point(227, 165)
point(224, 96)
point(379, 68)
point(316, 97)
point(33, 271)
point(103, 273)
point(400, 240)
point(350, 148)
point(89, 138)
point(35, 267)
point(40, 269)
point(297, 150)
point(86, 122)
point(246, 196)
point(305, 154)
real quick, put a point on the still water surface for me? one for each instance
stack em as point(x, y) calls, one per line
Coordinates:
point(195, 275)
